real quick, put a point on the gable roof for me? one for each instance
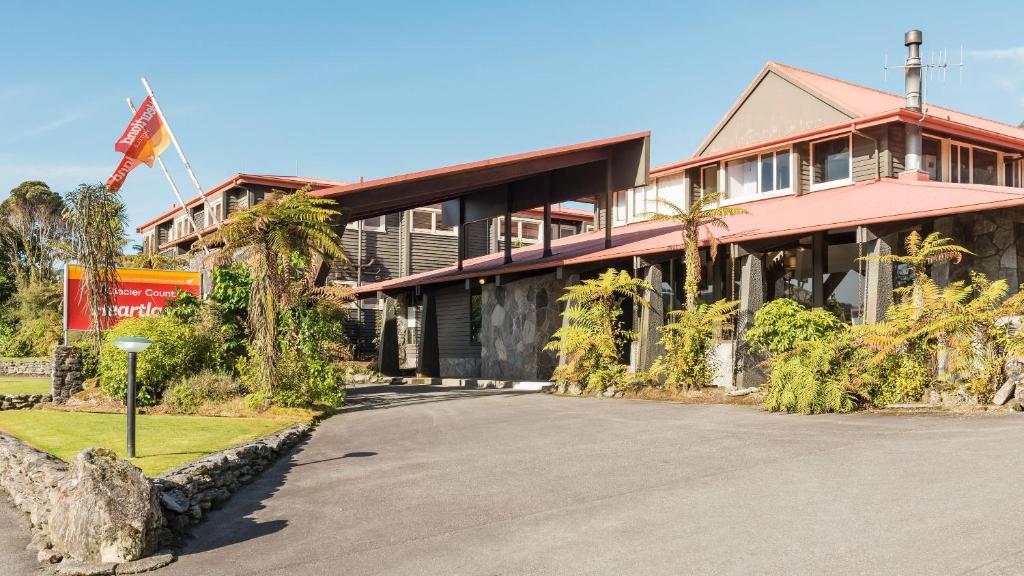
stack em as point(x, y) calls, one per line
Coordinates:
point(859, 103)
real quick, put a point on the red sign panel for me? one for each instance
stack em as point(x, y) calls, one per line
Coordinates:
point(139, 293)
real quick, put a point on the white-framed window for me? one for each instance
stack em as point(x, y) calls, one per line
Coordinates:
point(375, 224)
point(562, 230)
point(1012, 173)
point(645, 201)
point(428, 221)
point(741, 178)
point(709, 179)
point(215, 213)
point(831, 162)
point(776, 168)
point(621, 207)
point(970, 164)
point(524, 230)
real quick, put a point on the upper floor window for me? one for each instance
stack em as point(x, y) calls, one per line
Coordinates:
point(523, 231)
point(620, 206)
point(775, 167)
point(562, 230)
point(830, 163)
point(741, 178)
point(428, 220)
point(1012, 173)
point(972, 165)
point(375, 224)
point(766, 173)
point(709, 179)
point(931, 158)
point(215, 213)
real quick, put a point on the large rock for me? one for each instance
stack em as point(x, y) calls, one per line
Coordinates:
point(104, 510)
point(1004, 393)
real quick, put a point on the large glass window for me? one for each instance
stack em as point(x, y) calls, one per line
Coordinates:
point(620, 206)
point(741, 178)
point(959, 164)
point(931, 158)
point(984, 170)
point(830, 161)
point(775, 171)
point(844, 282)
point(1012, 173)
point(788, 272)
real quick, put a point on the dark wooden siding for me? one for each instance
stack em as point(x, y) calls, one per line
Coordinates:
point(432, 251)
point(361, 327)
point(453, 329)
point(478, 242)
point(380, 252)
point(237, 199)
point(897, 147)
point(803, 152)
point(866, 164)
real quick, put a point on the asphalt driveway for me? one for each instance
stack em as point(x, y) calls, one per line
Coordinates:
point(434, 481)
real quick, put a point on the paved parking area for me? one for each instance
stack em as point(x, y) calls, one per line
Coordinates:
point(435, 481)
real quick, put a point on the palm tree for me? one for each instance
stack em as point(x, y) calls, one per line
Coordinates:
point(96, 222)
point(276, 239)
point(703, 214)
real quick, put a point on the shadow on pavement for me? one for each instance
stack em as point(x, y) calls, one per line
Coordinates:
point(396, 396)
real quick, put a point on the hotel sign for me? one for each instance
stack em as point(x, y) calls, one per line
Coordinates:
point(139, 293)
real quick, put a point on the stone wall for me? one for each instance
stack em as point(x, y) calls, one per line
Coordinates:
point(22, 401)
point(67, 373)
point(459, 367)
point(188, 493)
point(518, 321)
point(993, 237)
point(24, 367)
point(29, 476)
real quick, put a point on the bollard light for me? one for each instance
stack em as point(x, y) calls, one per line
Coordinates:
point(132, 345)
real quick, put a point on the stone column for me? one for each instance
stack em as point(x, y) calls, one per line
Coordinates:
point(652, 318)
point(749, 374)
point(66, 378)
point(387, 348)
point(877, 274)
point(940, 270)
point(428, 362)
point(572, 281)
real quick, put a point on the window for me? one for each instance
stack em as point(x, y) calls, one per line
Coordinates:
point(620, 206)
point(830, 163)
point(984, 167)
point(523, 231)
point(931, 158)
point(968, 164)
point(422, 221)
point(775, 171)
point(565, 230)
point(1012, 173)
point(375, 224)
point(741, 178)
point(529, 230)
point(428, 221)
point(709, 179)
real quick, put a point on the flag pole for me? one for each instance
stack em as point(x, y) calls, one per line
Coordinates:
point(177, 147)
point(174, 187)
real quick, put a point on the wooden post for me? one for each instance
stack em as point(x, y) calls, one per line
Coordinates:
point(462, 232)
point(547, 215)
point(508, 225)
point(818, 259)
point(608, 208)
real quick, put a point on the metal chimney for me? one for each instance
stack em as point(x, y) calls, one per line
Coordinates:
point(912, 164)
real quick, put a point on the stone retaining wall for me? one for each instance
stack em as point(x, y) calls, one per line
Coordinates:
point(25, 367)
point(67, 373)
point(22, 401)
point(188, 493)
point(29, 476)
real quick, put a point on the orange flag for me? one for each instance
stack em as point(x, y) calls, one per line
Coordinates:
point(145, 138)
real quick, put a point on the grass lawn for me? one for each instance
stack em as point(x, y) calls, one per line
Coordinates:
point(24, 385)
point(162, 442)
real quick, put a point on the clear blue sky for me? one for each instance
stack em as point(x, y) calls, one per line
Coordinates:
point(371, 89)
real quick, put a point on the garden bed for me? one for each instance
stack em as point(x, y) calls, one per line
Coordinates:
point(163, 442)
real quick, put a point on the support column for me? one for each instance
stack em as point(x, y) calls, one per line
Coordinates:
point(749, 373)
point(940, 270)
point(652, 318)
point(462, 232)
point(428, 363)
point(547, 215)
point(877, 274)
point(508, 225)
point(387, 348)
point(609, 215)
point(819, 254)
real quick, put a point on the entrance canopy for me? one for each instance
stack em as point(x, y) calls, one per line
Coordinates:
point(527, 181)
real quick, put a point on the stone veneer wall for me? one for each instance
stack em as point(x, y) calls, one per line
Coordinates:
point(29, 476)
point(188, 493)
point(518, 321)
point(67, 373)
point(993, 237)
point(22, 401)
point(25, 367)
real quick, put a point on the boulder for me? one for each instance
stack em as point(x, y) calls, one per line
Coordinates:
point(1004, 393)
point(104, 510)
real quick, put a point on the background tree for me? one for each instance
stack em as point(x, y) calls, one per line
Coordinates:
point(96, 223)
point(31, 227)
point(704, 214)
point(276, 239)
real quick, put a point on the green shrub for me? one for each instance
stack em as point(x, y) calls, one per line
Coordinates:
point(192, 393)
point(178, 350)
point(813, 379)
point(902, 377)
point(90, 360)
point(782, 325)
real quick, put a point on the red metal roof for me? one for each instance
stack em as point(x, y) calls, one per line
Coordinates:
point(873, 202)
point(241, 180)
point(867, 107)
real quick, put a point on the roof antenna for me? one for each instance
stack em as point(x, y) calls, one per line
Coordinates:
point(938, 64)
